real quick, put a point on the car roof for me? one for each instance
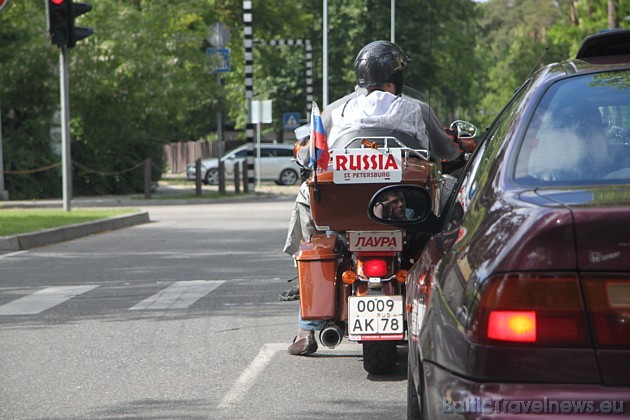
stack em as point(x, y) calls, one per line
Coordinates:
point(606, 51)
point(267, 145)
point(264, 146)
point(607, 43)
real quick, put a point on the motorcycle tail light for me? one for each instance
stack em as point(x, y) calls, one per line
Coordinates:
point(375, 267)
point(608, 306)
point(348, 277)
point(539, 309)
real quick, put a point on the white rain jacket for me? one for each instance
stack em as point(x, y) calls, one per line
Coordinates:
point(379, 110)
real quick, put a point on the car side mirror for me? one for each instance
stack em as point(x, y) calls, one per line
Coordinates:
point(404, 206)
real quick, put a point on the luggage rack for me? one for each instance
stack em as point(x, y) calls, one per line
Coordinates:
point(380, 142)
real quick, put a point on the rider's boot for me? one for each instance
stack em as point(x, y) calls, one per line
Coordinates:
point(304, 343)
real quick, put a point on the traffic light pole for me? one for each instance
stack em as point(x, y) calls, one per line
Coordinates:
point(66, 159)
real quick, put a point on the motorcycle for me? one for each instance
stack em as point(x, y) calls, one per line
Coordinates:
point(353, 275)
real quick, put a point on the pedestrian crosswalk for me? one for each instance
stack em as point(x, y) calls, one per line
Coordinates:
point(43, 299)
point(178, 295)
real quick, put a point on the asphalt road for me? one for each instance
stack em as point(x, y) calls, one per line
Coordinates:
point(176, 318)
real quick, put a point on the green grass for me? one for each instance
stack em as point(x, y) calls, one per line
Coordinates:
point(16, 221)
point(177, 181)
point(203, 196)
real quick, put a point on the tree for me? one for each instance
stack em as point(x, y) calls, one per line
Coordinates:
point(132, 91)
point(27, 101)
point(518, 36)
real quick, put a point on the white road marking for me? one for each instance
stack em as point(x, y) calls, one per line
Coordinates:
point(43, 299)
point(13, 254)
point(247, 378)
point(266, 353)
point(179, 295)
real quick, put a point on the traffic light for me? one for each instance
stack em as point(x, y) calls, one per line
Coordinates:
point(61, 15)
point(59, 21)
point(77, 33)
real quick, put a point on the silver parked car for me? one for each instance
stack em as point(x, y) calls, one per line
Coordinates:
point(276, 164)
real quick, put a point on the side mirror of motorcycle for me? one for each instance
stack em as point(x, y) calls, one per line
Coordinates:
point(404, 206)
point(464, 129)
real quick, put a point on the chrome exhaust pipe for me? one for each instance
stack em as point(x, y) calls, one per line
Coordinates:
point(331, 336)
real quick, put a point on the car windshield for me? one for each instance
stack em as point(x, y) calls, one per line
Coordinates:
point(579, 133)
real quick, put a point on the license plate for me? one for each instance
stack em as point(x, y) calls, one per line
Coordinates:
point(362, 241)
point(375, 318)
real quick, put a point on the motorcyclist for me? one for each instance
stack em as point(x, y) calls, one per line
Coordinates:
point(377, 103)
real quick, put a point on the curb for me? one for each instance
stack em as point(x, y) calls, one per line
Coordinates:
point(50, 236)
point(112, 202)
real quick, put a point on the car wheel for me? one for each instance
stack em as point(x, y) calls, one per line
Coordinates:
point(212, 177)
point(379, 357)
point(288, 177)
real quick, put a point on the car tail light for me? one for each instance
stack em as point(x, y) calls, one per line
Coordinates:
point(608, 306)
point(512, 326)
point(530, 308)
point(375, 267)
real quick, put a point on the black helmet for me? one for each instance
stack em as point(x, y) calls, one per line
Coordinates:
point(379, 62)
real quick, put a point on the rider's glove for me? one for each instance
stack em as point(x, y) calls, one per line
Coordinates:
point(305, 173)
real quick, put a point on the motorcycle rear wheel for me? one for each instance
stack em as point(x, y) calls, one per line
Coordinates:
point(379, 357)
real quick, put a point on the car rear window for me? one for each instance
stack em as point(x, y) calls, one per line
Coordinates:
point(579, 133)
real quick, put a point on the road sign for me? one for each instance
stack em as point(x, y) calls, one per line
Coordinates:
point(218, 35)
point(291, 120)
point(261, 112)
point(220, 59)
point(2, 3)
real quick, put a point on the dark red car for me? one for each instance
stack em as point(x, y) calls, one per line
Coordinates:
point(519, 304)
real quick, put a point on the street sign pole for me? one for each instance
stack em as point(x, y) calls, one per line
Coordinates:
point(220, 142)
point(260, 112)
point(325, 56)
point(66, 159)
point(258, 129)
point(218, 37)
point(4, 195)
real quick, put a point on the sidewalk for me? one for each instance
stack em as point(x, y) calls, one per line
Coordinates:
point(165, 194)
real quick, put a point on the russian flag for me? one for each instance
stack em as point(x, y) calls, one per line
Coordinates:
point(319, 142)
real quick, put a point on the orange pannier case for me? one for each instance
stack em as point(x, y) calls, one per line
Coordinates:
point(317, 273)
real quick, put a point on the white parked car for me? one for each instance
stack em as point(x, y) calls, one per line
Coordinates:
point(276, 164)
